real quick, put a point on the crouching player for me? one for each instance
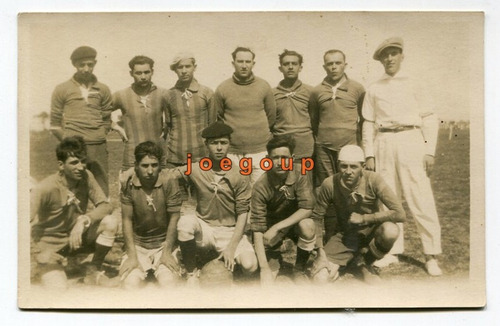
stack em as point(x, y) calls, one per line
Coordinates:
point(60, 223)
point(282, 202)
point(151, 205)
point(223, 197)
point(366, 233)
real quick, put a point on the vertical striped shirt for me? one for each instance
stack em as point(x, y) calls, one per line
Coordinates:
point(142, 118)
point(189, 111)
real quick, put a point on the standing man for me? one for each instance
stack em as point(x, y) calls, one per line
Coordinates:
point(282, 202)
point(399, 137)
point(189, 111)
point(365, 233)
point(141, 107)
point(292, 101)
point(150, 210)
point(246, 104)
point(82, 107)
point(60, 223)
point(335, 108)
point(217, 228)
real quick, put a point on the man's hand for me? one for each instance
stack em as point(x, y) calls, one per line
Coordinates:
point(428, 164)
point(370, 164)
point(266, 276)
point(228, 256)
point(129, 265)
point(319, 263)
point(75, 237)
point(271, 237)
point(356, 218)
point(168, 260)
point(122, 133)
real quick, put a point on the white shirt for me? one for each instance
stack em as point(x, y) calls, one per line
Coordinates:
point(398, 101)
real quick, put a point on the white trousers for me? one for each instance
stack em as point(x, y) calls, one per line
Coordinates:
point(399, 159)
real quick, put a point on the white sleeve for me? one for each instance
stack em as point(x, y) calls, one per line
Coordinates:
point(368, 113)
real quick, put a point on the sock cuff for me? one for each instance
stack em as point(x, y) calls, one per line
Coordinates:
point(305, 244)
point(376, 251)
point(105, 240)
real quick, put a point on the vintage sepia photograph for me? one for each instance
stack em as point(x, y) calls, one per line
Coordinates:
point(251, 160)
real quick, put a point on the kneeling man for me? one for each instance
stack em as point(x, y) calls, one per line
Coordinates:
point(151, 205)
point(60, 223)
point(366, 232)
point(282, 202)
point(223, 197)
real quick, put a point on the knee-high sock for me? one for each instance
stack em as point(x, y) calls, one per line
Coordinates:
point(188, 250)
point(302, 257)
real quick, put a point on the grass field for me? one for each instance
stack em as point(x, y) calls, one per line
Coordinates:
point(450, 182)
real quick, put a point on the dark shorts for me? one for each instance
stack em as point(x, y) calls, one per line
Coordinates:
point(342, 247)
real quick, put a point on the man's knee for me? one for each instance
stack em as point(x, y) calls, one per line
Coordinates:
point(186, 227)
point(387, 233)
point(165, 277)
point(134, 279)
point(248, 262)
point(307, 228)
point(109, 224)
point(54, 279)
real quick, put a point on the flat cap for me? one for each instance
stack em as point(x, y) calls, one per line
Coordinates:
point(83, 52)
point(216, 130)
point(180, 56)
point(394, 42)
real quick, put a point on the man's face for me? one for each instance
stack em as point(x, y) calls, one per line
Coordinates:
point(276, 155)
point(391, 59)
point(335, 65)
point(243, 64)
point(142, 74)
point(351, 172)
point(85, 67)
point(290, 67)
point(185, 70)
point(148, 169)
point(218, 148)
point(73, 168)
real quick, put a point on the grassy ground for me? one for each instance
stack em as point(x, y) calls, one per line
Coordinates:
point(450, 182)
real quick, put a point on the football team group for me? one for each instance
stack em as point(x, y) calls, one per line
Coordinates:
point(366, 152)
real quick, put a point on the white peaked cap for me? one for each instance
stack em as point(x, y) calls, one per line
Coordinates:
point(351, 153)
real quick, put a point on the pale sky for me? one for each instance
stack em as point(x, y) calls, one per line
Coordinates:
point(444, 49)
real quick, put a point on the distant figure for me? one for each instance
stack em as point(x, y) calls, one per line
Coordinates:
point(151, 206)
point(292, 101)
point(141, 107)
point(246, 104)
point(82, 107)
point(399, 137)
point(366, 233)
point(60, 223)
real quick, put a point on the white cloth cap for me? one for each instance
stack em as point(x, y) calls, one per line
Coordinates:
point(351, 153)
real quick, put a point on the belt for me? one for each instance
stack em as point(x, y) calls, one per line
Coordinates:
point(398, 129)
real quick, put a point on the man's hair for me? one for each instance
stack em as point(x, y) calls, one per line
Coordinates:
point(141, 60)
point(332, 52)
point(290, 52)
point(242, 49)
point(147, 148)
point(71, 147)
point(281, 141)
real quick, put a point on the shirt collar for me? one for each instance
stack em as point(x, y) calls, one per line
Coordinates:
point(151, 89)
point(343, 84)
point(248, 81)
point(92, 85)
point(137, 182)
point(294, 87)
point(193, 87)
point(401, 74)
point(275, 182)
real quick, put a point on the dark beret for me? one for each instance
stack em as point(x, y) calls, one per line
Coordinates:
point(393, 42)
point(216, 130)
point(83, 52)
